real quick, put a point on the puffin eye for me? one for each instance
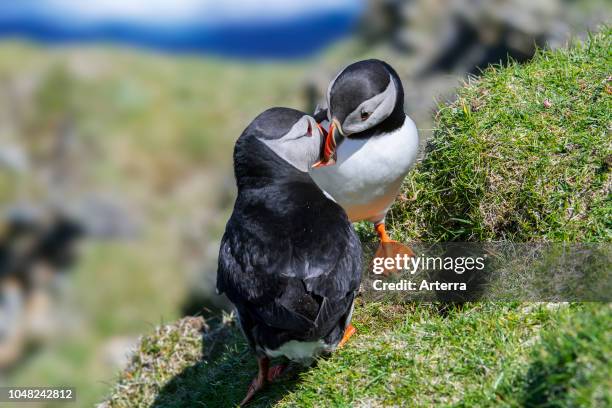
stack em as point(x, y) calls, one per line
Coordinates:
point(365, 115)
point(309, 129)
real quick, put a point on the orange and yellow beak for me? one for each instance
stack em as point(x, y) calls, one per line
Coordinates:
point(329, 149)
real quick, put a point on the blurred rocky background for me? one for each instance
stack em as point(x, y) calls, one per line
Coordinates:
point(115, 162)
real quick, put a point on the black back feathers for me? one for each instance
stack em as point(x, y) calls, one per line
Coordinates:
point(289, 259)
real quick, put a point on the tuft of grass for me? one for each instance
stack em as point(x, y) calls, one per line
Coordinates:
point(159, 356)
point(523, 154)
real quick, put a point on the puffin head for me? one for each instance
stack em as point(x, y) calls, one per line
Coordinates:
point(364, 99)
point(278, 141)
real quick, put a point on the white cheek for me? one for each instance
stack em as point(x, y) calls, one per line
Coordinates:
point(356, 127)
point(305, 152)
point(300, 153)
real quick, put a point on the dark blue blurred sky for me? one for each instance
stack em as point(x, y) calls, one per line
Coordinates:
point(236, 28)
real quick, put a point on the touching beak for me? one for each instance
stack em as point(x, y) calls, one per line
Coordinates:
point(329, 149)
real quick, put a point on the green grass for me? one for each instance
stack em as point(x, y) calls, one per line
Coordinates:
point(523, 154)
point(478, 355)
point(572, 365)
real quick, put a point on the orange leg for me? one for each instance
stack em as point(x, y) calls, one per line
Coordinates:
point(350, 330)
point(389, 248)
point(259, 381)
point(382, 233)
point(265, 375)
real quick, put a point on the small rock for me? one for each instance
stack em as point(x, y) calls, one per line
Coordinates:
point(118, 350)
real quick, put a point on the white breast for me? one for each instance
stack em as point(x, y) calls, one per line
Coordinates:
point(301, 351)
point(368, 173)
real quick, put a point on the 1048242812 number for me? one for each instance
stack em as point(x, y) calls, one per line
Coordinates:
point(30, 394)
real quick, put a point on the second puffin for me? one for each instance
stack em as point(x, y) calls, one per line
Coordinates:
point(289, 260)
point(377, 145)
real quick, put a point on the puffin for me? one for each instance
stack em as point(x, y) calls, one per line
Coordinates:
point(370, 146)
point(289, 260)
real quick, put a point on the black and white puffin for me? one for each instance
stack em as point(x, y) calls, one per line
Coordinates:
point(370, 147)
point(289, 260)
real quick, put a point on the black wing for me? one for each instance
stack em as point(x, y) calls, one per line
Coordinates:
point(295, 267)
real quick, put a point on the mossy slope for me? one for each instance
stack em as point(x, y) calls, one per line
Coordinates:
point(524, 154)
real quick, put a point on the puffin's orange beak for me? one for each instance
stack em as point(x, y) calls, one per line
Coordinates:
point(329, 150)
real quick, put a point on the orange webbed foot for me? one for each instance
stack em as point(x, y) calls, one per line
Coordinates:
point(348, 333)
point(275, 372)
point(389, 248)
